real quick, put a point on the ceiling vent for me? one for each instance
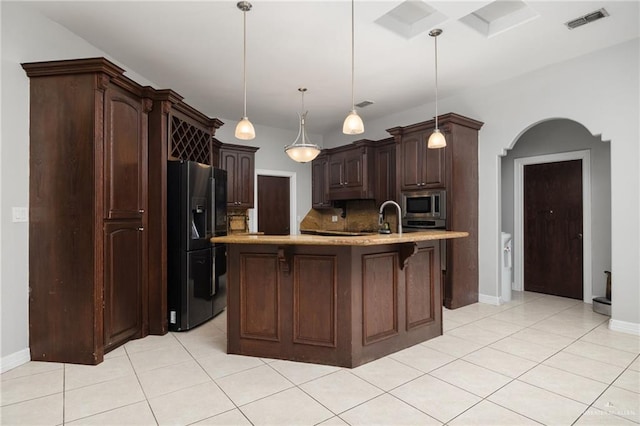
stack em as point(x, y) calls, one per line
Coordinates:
point(586, 19)
point(364, 104)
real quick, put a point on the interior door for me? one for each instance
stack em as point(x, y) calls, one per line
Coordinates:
point(273, 205)
point(553, 228)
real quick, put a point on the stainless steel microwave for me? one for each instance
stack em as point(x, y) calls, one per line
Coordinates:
point(426, 209)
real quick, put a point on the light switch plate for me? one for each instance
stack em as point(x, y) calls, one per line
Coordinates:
point(20, 214)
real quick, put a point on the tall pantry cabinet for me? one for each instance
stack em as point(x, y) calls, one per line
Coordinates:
point(88, 210)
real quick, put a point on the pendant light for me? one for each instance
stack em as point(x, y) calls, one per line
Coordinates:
point(302, 150)
point(353, 124)
point(244, 129)
point(436, 140)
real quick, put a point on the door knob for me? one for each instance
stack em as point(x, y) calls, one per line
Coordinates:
point(579, 236)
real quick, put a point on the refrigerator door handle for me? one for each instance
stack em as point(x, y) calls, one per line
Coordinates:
point(213, 273)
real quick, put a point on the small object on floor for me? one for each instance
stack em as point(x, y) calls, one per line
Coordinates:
point(602, 305)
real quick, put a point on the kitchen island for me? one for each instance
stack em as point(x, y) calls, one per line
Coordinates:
point(339, 300)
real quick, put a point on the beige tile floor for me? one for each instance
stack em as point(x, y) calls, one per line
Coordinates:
point(536, 360)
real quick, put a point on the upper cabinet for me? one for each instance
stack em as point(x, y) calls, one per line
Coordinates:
point(362, 170)
point(419, 167)
point(320, 182)
point(385, 170)
point(239, 162)
point(350, 169)
point(125, 158)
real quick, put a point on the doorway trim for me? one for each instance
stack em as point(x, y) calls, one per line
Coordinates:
point(253, 213)
point(518, 217)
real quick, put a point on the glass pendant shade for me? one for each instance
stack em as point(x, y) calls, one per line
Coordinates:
point(436, 140)
point(245, 130)
point(353, 124)
point(302, 150)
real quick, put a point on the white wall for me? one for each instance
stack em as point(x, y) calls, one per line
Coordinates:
point(556, 136)
point(600, 91)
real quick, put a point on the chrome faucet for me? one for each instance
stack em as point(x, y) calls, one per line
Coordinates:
point(381, 214)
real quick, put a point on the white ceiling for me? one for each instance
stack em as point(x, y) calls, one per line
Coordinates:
point(195, 48)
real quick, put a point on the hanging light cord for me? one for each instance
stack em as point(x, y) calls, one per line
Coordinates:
point(353, 104)
point(436, 62)
point(244, 60)
point(302, 116)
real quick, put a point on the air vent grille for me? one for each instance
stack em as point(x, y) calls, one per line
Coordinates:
point(586, 19)
point(364, 104)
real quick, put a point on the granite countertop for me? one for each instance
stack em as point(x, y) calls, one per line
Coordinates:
point(341, 240)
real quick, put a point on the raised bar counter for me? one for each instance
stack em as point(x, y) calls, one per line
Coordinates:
point(336, 300)
point(337, 238)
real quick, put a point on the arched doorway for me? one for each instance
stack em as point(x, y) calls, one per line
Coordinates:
point(554, 141)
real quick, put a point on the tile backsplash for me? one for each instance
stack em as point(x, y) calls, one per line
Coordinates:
point(359, 216)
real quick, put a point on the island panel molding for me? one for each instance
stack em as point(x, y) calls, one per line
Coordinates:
point(379, 296)
point(315, 293)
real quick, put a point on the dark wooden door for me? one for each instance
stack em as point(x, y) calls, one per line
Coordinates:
point(273, 205)
point(553, 228)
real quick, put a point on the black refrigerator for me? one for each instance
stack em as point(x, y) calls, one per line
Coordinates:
point(196, 268)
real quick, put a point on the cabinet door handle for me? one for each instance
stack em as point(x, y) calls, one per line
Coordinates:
point(141, 211)
point(141, 229)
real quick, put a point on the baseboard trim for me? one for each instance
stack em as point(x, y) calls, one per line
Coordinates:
point(625, 327)
point(14, 360)
point(489, 300)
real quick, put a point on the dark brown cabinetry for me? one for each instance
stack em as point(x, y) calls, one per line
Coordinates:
point(362, 170)
point(420, 167)
point(124, 251)
point(385, 171)
point(88, 203)
point(320, 182)
point(239, 162)
point(351, 171)
point(455, 169)
point(336, 305)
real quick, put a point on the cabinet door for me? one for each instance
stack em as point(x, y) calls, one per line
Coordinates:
point(411, 161)
point(385, 177)
point(245, 180)
point(353, 172)
point(124, 276)
point(228, 162)
point(434, 168)
point(336, 171)
point(125, 159)
point(319, 183)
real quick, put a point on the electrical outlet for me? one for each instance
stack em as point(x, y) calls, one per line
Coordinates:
point(334, 218)
point(20, 214)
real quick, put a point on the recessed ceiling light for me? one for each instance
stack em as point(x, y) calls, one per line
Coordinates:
point(411, 18)
point(499, 16)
